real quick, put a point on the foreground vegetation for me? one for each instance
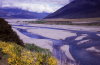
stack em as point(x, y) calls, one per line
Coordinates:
point(33, 47)
point(17, 55)
point(7, 34)
point(14, 52)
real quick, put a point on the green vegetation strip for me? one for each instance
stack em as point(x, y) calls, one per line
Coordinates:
point(33, 47)
point(36, 22)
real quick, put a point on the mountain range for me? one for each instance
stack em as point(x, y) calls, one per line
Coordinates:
point(19, 13)
point(78, 9)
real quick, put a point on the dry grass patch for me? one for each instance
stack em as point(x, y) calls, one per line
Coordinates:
point(74, 20)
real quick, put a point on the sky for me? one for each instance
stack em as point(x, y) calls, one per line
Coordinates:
point(38, 6)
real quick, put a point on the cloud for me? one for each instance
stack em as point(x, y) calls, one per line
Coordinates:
point(35, 5)
point(6, 5)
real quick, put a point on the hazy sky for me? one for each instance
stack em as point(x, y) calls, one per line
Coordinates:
point(35, 5)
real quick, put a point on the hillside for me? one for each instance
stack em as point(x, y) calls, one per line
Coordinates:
point(78, 9)
point(19, 13)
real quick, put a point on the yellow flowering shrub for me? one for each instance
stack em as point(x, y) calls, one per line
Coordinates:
point(52, 61)
point(17, 55)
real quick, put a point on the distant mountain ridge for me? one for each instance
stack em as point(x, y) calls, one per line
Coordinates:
point(78, 9)
point(19, 13)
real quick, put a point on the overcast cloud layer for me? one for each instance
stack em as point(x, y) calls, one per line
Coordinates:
point(35, 5)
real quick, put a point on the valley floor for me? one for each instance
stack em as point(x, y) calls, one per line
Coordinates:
point(64, 41)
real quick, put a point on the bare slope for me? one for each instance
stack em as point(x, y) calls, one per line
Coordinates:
point(78, 9)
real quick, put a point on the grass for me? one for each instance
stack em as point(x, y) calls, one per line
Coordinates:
point(88, 24)
point(93, 24)
point(93, 21)
point(36, 22)
point(74, 20)
point(60, 21)
point(41, 22)
point(45, 22)
point(33, 47)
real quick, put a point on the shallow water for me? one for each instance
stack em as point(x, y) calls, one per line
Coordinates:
point(77, 51)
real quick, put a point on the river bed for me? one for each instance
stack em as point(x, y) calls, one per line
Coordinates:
point(70, 47)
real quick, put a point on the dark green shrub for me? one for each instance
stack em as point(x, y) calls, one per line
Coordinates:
point(7, 34)
point(0, 57)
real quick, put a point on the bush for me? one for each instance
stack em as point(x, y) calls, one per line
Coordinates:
point(7, 34)
point(17, 55)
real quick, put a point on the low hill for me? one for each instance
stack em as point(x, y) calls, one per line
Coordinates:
point(19, 13)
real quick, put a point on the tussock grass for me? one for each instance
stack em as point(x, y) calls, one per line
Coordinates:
point(33, 47)
point(74, 20)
